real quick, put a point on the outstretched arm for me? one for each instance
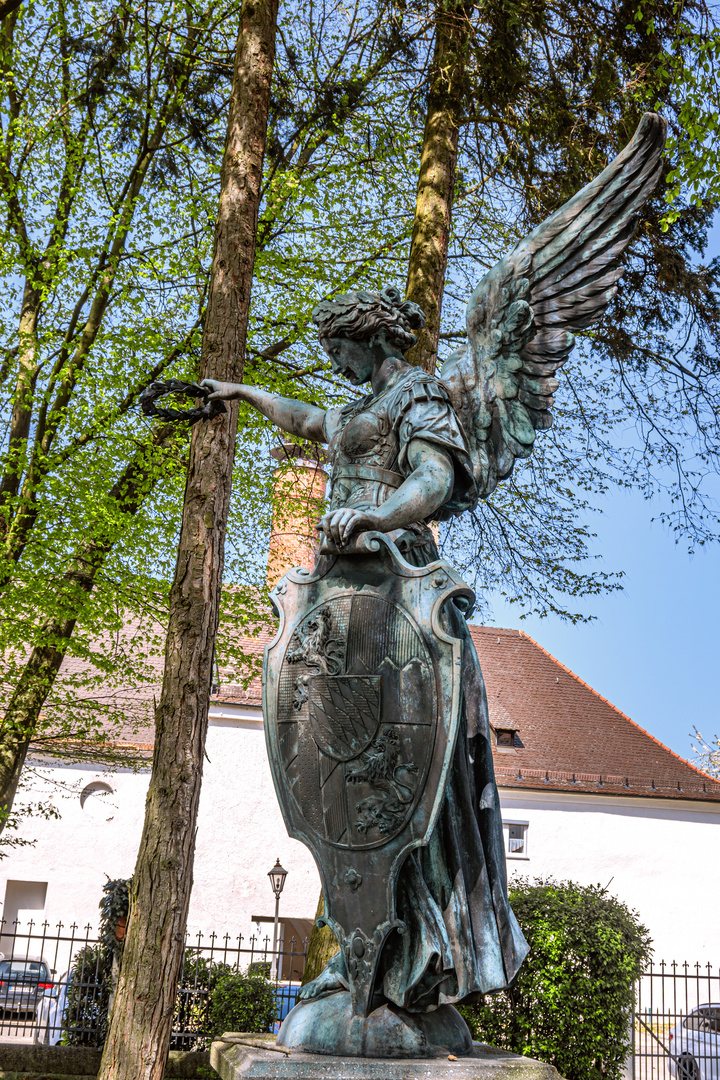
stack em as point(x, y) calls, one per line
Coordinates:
point(296, 417)
point(427, 487)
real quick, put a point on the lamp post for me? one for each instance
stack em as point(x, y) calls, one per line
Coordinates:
point(277, 881)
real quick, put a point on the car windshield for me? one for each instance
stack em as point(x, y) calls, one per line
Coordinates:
point(34, 970)
point(704, 1019)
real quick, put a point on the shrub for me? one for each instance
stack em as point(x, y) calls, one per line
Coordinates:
point(90, 981)
point(114, 910)
point(242, 1003)
point(85, 1016)
point(571, 1003)
point(191, 1016)
point(260, 967)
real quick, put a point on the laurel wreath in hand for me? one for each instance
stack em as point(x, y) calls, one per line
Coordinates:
point(156, 390)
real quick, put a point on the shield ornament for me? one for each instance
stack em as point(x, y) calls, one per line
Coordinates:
point(344, 713)
point(361, 701)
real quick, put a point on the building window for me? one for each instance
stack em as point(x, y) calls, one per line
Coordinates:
point(24, 903)
point(95, 799)
point(516, 839)
point(507, 739)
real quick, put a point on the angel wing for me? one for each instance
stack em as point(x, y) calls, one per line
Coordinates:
point(523, 315)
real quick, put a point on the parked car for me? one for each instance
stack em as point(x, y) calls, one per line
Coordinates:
point(22, 981)
point(695, 1045)
point(286, 997)
point(50, 1011)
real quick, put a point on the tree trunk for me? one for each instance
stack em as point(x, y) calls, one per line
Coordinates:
point(321, 948)
point(139, 1033)
point(7, 7)
point(436, 180)
point(39, 673)
point(22, 404)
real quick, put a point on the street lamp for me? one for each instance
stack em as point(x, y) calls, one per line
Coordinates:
point(277, 881)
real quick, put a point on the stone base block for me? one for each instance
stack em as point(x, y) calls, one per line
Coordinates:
point(259, 1057)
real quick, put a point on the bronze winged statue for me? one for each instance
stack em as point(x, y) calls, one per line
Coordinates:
point(375, 707)
point(523, 316)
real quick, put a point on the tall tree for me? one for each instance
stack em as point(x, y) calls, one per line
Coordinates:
point(446, 103)
point(70, 76)
point(141, 1022)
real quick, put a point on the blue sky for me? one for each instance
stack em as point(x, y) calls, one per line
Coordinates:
point(653, 648)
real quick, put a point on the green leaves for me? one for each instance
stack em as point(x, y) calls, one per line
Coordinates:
point(685, 73)
point(571, 1004)
point(242, 1003)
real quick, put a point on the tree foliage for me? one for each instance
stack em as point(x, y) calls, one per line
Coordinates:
point(112, 134)
point(707, 753)
point(16, 818)
point(108, 115)
point(571, 1003)
point(554, 91)
point(113, 126)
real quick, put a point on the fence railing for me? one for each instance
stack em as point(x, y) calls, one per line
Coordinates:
point(676, 1023)
point(55, 986)
point(56, 983)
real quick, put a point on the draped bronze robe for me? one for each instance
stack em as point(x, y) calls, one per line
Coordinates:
point(462, 938)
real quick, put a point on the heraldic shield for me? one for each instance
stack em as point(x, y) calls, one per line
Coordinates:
point(361, 700)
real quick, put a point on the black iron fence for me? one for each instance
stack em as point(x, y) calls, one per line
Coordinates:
point(56, 983)
point(56, 986)
point(676, 1024)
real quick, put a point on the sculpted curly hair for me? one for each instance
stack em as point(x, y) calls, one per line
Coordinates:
point(359, 315)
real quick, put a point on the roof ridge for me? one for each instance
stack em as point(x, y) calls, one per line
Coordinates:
point(594, 692)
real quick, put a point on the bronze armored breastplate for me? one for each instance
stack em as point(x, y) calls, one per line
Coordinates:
point(364, 453)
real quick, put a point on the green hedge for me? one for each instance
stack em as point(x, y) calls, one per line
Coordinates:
point(215, 998)
point(571, 1003)
point(242, 1003)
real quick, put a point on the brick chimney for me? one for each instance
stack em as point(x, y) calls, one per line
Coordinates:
point(298, 496)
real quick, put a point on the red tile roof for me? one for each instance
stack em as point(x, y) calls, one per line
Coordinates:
point(573, 738)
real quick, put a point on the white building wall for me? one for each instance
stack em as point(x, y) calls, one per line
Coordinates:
point(240, 835)
point(659, 856)
point(74, 856)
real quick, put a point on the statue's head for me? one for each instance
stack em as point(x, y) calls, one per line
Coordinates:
point(359, 327)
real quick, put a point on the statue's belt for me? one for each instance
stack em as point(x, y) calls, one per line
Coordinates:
point(368, 472)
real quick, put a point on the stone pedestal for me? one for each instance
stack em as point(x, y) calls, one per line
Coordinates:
point(258, 1057)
